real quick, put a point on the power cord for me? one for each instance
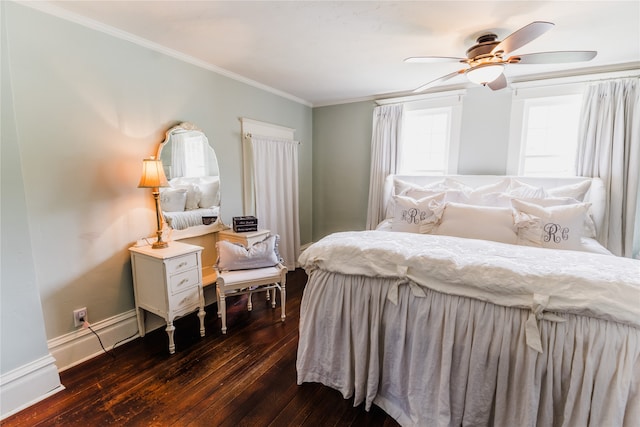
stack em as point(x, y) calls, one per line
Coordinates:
point(86, 324)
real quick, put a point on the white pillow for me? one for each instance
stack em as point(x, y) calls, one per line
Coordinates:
point(451, 195)
point(400, 186)
point(499, 186)
point(478, 222)
point(575, 191)
point(487, 195)
point(173, 199)
point(559, 227)
point(193, 195)
point(417, 216)
point(526, 191)
point(210, 196)
point(234, 256)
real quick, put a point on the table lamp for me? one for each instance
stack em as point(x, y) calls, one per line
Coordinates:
point(153, 177)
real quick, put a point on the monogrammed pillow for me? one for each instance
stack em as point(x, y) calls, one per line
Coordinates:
point(417, 216)
point(558, 227)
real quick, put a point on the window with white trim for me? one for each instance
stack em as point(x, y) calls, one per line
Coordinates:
point(430, 136)
point(544, 131)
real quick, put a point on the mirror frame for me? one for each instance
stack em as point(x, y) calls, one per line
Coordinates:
point(196, 230)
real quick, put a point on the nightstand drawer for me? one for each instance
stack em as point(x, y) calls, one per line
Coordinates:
point(185, 280)
point(179, 264)
point(185, 301)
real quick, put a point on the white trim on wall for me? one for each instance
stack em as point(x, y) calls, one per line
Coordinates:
point(28, 384)
point(78, 346)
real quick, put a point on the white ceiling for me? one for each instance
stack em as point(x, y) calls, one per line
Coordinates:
point(327, 52)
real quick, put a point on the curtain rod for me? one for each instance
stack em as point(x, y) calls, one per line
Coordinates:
point(250, 135)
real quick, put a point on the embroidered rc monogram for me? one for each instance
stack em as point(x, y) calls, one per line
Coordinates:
point(413, 216)
point(555, 233)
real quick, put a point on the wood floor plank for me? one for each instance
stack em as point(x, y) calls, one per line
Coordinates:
point(244, 378)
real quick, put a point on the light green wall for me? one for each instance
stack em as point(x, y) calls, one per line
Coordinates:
point(22, 332)
point(342, 154)
point(88, 108)
point(341, 159)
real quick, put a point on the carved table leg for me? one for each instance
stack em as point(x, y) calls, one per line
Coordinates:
point(223, 312)
point(170, 328)
point(201, 314)
point(283, 299)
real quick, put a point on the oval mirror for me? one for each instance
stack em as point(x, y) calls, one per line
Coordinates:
point(191, 205)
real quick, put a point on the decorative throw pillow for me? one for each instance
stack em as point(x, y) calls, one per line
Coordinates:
point(173, 199)
point(233, 256)
point(478, 222)
point(559, 227)
point(417, 216)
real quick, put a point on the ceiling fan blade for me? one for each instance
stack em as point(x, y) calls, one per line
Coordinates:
point(523, 36)
point(439, 80)
point(499, 83)
point(433, 59)
point(553, 57)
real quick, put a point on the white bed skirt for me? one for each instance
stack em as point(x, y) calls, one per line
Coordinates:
point(445, 360)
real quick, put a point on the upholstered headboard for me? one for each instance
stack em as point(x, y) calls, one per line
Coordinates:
point(596, 194)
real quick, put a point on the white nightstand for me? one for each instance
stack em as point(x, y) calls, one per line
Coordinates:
point(246, 238)
point(168, 283)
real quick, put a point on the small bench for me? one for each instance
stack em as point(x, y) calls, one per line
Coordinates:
point(268, 279)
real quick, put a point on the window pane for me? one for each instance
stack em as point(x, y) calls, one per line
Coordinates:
point(425, 141)
point(550, 135)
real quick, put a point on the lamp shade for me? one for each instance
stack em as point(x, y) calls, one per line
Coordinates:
point(152, 174)
point(484, 73)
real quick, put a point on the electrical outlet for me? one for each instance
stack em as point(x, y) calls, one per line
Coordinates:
point(79, 315)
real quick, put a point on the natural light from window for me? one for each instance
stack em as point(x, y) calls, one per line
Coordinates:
point(550, 135)
point(425, 141)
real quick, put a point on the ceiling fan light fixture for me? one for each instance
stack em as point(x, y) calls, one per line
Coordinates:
point(484, 73)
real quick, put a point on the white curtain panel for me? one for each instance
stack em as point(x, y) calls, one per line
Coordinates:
point(275, 171)
point(385, 155)
point(609, 148)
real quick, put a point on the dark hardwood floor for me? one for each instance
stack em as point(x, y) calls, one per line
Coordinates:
point(246, 378)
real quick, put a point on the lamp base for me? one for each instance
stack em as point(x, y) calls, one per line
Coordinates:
point(159, 245)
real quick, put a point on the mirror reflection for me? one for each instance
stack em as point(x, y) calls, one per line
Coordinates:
point(191, 166)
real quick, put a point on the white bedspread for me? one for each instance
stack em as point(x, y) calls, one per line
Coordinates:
point(602, 286)
point(452, 348)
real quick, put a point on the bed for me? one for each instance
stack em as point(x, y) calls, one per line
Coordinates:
point(456, 317)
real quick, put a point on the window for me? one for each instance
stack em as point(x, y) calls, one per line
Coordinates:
point(550, 135)
point(544, 133)
point(430, 135)
point(425, 141)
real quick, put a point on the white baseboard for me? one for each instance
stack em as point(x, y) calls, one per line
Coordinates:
point(28, 384)
point(78, 346)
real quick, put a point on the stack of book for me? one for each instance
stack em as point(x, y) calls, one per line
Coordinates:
point(245, 223)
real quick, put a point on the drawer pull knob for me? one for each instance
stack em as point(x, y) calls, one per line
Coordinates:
point(182, 264)
point(183, 281)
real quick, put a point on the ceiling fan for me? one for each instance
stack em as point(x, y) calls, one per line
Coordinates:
point(486, 59)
